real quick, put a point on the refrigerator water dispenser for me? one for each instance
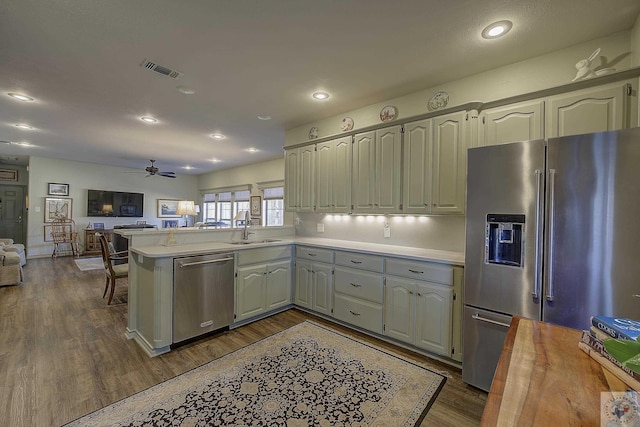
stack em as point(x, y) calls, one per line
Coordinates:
point(503, 239)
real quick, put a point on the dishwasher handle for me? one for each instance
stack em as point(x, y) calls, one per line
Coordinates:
point(211, 261)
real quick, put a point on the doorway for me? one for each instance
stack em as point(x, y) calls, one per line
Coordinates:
point(12, 209)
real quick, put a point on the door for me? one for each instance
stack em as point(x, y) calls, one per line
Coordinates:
point(507, 180)
point(417, 170)
point(322, 288)
point(291, 178)
point(449, 163)
point(512, 123)
point(304, 283)
point(278, 284)
point(387, 173)
point(251, 291)
point(592, 228)
point(12, 213)
point(434, 317)
point(307, 178)
point(363, 175)
point(399, 309)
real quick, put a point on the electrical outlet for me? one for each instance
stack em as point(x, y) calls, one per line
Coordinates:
point(386, 231)
point(320, 227)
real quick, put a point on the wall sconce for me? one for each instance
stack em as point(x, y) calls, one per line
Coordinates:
point(186, 208)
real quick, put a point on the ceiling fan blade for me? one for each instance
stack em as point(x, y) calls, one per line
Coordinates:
point(167, 174)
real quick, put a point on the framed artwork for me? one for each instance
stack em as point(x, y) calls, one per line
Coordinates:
point(98, 225)
point(169, 223)
point(56, 189)
point(8, 175)
point(56, 208)
point(47, 233)
point(256, 205)
point(167, 208)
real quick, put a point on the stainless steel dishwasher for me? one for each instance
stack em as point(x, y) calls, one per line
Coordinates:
point(203, 298)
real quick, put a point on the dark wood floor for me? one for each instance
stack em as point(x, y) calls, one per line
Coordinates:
point(63, 352)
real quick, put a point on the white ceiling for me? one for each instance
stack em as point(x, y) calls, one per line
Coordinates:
point(81, 59)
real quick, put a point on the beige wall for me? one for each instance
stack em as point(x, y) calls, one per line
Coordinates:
point(547, 71)
point(83, 176)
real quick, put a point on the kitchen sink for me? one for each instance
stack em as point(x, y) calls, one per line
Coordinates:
point(251, 242)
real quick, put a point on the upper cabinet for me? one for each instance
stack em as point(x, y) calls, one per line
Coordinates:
point(300, 178)
point(333, 176)
point(596, 109)
point(376, 171)
point(434, 171)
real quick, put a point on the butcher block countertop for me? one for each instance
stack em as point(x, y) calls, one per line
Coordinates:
point(544, 379)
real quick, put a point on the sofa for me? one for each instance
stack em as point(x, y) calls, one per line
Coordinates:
point(12, 258)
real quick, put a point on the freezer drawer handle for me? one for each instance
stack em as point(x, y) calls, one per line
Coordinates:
point(212, 261)
point(356, 262)
point(416, 271)
point(493, 322)
point(356, 285)
point(537, 280)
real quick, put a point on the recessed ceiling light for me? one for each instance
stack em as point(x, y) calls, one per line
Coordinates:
point(217, 136)
point(497, 29)
point(148, 119)
point(24, 126)
point(188, 167)
point(215, 160)
point(320, 95)
point(20, 96)
point(23, 144)
point(252, 150)
point(185, 90)
point(264, 117)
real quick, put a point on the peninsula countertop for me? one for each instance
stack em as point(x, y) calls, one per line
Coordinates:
point(420, 254)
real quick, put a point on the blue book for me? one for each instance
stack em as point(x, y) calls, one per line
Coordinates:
point(620, 328)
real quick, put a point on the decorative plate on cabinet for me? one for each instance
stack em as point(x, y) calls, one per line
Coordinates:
point(347, 124)
point(438, 100)
point(388, 113)
point(313, 133)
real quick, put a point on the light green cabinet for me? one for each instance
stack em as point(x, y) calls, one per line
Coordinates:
point(263, 281)
point(376, 171)
point(517, 122)
point(333, 176)
point(314, 279)
point(300, 179)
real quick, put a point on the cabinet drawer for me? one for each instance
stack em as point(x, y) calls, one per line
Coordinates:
point(314, 254)
point(360, 313)
point(364, 262)
point(359, 284)
point(260, 255)
point(421, 270)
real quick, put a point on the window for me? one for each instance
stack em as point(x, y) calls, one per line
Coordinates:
point(221, 205)
point(241, 204)
point(273, 206)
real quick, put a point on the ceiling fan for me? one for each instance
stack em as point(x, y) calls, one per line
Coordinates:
point(153, 170)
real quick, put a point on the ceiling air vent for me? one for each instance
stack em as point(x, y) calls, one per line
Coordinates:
point(150, 65)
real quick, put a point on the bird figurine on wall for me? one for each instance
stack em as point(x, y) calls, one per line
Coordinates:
point(586, 70)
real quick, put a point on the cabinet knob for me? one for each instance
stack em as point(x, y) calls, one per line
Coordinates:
point(419, 294)
point(410, 292)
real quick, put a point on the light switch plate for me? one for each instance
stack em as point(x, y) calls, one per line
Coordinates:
point(320, 227)
point(386, 231)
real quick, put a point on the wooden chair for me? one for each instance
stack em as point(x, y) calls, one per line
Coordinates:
point(113, 271)
point(63, 232)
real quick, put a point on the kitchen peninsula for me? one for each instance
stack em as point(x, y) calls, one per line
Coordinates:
point(423, 287)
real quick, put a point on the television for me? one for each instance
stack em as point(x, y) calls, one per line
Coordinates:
point(115, 204)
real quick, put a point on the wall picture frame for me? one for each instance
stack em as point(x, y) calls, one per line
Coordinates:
point(57, 208)
point(256, 205)
point(8, 175)
point(57, 189)
point(167, 208)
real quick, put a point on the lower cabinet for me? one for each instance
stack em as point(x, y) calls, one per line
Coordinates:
point(314, 286)
point(262, 287)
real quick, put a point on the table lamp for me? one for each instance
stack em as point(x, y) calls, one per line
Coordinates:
point(186, 208)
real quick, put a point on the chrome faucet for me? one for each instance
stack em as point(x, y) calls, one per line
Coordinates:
point(245, 232)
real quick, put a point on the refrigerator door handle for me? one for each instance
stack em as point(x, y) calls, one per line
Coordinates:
point(493, 322)
point(537, 280)
point(552, 181)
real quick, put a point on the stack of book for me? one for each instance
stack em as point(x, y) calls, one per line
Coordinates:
point(603, 329)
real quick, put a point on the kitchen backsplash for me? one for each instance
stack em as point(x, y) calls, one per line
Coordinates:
point(429, 232)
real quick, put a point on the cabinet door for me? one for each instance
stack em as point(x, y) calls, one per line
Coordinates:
point(322, 288)
point(278, 285)
point(250, 291)
point(399, 309)
point(307, 178)
point(418, 148)
point(363, 172)
point(387, 173)
point(449, 163)
point(590, 110)
point(517, 122)
point(304, 282)
point(324, 175)
point(434, 318)
point(333, 175)
point(291, 172)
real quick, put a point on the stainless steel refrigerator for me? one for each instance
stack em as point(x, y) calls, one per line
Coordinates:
point(552, 233)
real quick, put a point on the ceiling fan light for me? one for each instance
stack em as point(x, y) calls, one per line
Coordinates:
point(321, 96)
point(20, 96)
point(24, 126)
point(149, 119)
point(217, 136)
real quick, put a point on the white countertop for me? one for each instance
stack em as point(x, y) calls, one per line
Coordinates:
point(159, 251)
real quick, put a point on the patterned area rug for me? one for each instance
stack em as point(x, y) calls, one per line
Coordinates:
point(307, 375)
point(86, 264)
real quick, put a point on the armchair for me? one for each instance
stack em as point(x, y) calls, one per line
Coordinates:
point(63, 231)
point(10, 263)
